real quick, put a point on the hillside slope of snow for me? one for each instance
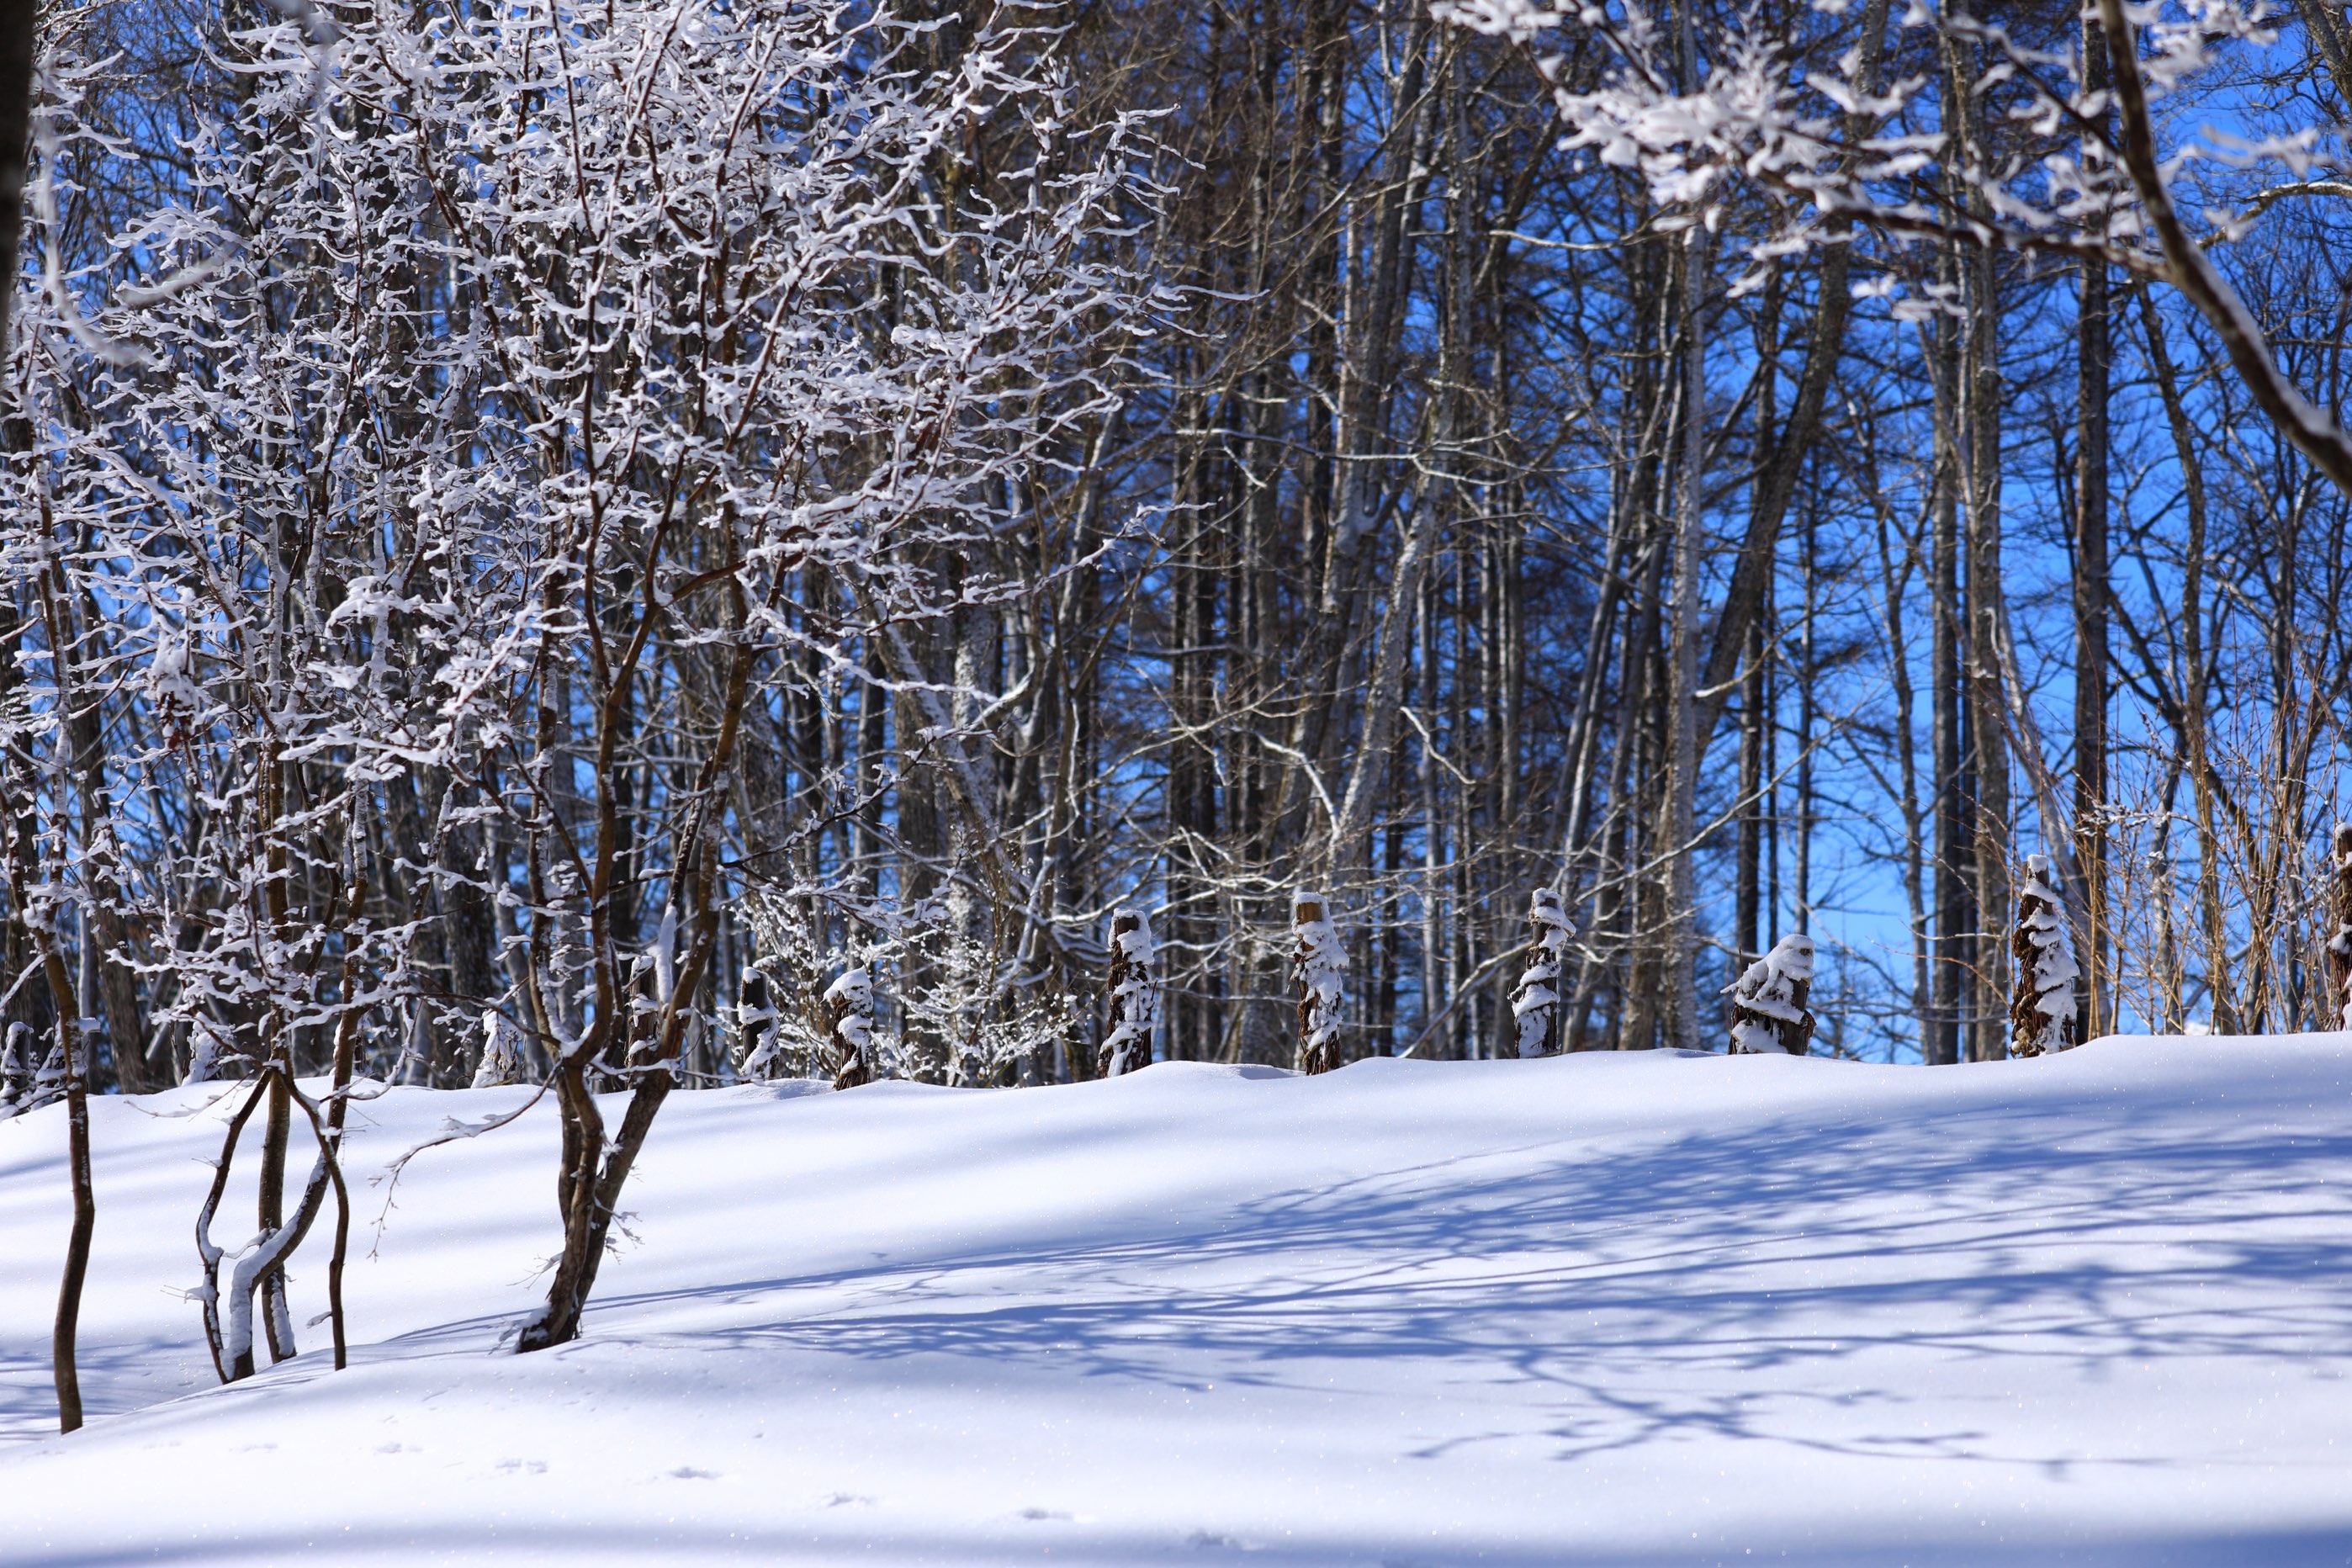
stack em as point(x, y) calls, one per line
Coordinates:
point(1613, 1308)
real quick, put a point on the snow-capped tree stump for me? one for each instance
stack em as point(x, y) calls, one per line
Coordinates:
point(1768, 1001)
point(759, 1039)
point(2339, 949)
point(849, 1023)
point(1316, 966)
point(1134, 996)
point(16, 1070)
point(48, 1079)
point(2042, 998)
point(1535, 1001)
point(501, 1062)
point(205, 1057)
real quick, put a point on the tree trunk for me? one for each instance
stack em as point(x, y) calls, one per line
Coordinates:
point(849, 1027)
point(1955, 818)
point(1981, 397)
point(2339, 946)
point(1134, 997)
point(1316, 963)
point(18, 25)
point(2093, 358)
point(2204, 783)
point(65, 1332)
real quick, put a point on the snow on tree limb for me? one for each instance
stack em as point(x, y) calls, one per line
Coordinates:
point(657, 355)
point(1811, 145)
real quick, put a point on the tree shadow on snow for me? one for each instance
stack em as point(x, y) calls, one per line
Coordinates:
point(1713, 1285)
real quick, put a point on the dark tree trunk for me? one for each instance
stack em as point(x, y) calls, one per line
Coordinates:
point(1954, 950)
point(2094, 356)
point(18, 24)
point(849, 1027)
point(1134, 997)
point(1312, 964)
point(2039, 936)
point(85, 1213)
point(2339, 947)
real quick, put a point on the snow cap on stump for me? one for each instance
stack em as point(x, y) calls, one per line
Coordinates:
point(1134, 995)
point(849, 1014)
point(2339, 947)
point(2041, 1007)
point(1535, 1000)
point(1316, 966)
point(1768, 1000)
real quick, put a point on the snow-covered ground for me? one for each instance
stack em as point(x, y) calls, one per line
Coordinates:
point(1626, 1309)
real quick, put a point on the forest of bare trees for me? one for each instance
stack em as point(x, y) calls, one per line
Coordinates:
point(640, 545)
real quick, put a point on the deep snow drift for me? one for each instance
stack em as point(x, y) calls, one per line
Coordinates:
point(1608, 1308)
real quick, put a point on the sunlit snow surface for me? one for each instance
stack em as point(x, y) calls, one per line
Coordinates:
point(1613, 1308)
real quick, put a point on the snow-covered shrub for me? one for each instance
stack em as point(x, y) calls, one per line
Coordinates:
point(1134, 996)
point(1316, 964)
point(514, 400)
point(1768, 1000)
point(975, 1004)
point(2042, 1005)
point(1535, 1001)
point(782, 1017)
point(945, 1005)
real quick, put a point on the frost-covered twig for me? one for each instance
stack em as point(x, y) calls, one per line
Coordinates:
point(1808, 143)
point(2313, 431)
point(452, 1131)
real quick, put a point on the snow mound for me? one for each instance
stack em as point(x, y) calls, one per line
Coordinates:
point(1637, 1308)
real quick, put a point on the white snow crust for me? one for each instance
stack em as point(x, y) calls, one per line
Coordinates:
point(1625, 1309)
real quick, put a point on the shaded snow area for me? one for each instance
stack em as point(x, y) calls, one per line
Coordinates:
point(1613, 1308)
